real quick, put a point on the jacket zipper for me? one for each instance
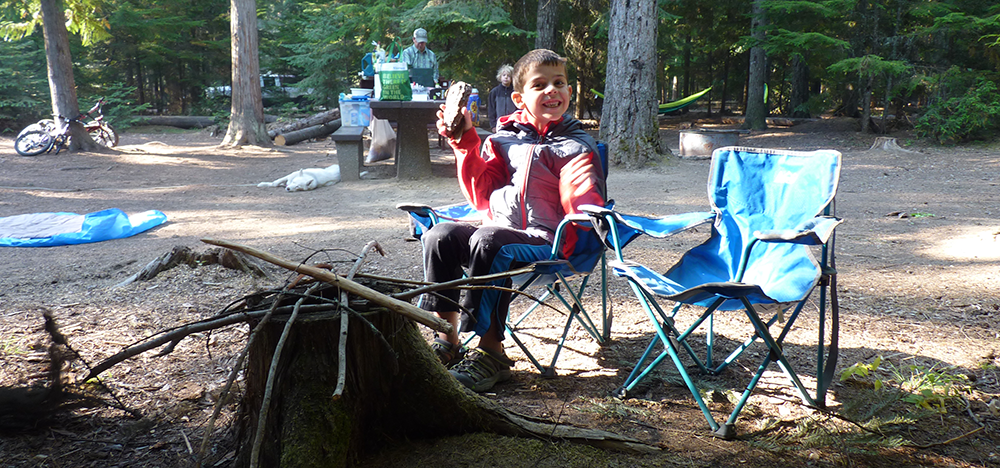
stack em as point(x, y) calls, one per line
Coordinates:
point(524, 187)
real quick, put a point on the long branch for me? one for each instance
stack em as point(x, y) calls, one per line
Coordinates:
point(403, 308)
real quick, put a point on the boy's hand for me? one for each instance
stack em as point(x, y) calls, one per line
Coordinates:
point(442, 126)
point(454, 107)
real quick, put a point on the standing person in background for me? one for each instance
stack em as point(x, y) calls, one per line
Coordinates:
point(500, 103)
point(420, 60)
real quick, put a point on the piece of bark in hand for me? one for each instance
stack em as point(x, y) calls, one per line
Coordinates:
point(457, 98)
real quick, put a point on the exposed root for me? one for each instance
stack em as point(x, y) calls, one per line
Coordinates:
point(181, 255)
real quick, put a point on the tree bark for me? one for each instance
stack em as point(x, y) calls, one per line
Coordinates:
point(756, 110)
point(723, 110)
point(545, 25)
point(800, 86)
point(246, 123)
point(629, 119)
point(316, 131)
point(866, 105)
point(62, 86)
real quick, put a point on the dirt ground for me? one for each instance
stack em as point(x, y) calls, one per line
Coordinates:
point(918, 260)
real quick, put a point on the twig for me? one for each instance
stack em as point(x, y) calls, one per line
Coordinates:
point(403, 308)
point(173, 336)
point(946, 442)
point(345, 320)
point(272, 372)
point(187, 442)
point(461, 282)
point(224, 396)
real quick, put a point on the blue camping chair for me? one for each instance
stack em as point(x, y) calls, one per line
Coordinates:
point(768, 208)
point(549, 270)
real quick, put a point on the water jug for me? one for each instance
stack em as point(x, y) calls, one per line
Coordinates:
point(474, 107)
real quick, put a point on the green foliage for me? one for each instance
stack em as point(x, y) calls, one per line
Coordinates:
point(11, 346)
point(120, 109)
point(325, 42)
point(966, 107)
point(871, 66)
point(929, 388)
point(24, 93)
point(83, 18)
point(864, 372)
point(926, 388)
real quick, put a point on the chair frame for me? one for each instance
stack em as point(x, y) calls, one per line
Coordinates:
point(553, 273)
point(620, 232)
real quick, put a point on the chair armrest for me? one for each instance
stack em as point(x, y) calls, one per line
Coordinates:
point(657, 227)
point(667, 226)
point(618, 230)
point(419, 209)
point(815, 231)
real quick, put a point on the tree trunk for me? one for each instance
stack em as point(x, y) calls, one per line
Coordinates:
point(545, 25)
point(62, 87)
point(291, 138)
point(723, 110)
point(866, 105)
point(756, 110)
point(800, 86)
point(246, 124)
point(629, 120)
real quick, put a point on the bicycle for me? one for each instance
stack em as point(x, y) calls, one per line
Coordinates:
point(44, 135)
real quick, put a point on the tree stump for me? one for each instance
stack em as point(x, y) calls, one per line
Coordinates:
point(888, 144)
point(395, 389)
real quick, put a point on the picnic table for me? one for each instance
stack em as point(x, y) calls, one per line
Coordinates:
point(413, 152)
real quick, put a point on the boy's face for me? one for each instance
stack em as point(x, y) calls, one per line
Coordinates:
point(546, 94)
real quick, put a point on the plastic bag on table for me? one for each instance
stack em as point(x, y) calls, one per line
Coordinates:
point(383, 141)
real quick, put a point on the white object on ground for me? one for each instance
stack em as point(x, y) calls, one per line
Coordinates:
point(307, 179)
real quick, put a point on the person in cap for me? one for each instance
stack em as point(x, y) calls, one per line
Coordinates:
point(420, 60)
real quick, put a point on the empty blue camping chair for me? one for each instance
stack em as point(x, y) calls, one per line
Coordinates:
point(768, 209)
point(550, 271)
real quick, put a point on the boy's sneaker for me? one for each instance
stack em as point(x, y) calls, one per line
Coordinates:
point(481, 369)
point(449, 354)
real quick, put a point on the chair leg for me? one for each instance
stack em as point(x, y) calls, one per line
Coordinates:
point(776, 352)
point(670, 350)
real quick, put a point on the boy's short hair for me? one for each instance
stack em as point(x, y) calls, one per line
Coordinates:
point(531, 60)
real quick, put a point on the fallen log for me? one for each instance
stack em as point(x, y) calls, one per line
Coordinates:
point(771, 121)
point(311, 121)
point(179, 121)
point(291, 138)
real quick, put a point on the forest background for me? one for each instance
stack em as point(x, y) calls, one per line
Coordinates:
point(928, 64)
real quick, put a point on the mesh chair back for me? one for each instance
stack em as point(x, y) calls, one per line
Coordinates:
point(759, 190)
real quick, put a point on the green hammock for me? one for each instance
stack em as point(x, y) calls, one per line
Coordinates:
point(669, 107)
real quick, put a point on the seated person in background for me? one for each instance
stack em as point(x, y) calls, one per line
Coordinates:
point(500, 102)
point(539, 166)
point(420, 60)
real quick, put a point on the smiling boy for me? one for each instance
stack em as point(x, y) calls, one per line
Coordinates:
point(539, 166)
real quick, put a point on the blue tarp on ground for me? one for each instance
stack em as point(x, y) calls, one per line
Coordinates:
point(52, 229)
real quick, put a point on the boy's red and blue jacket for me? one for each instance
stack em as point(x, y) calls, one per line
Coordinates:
point(529, 179)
